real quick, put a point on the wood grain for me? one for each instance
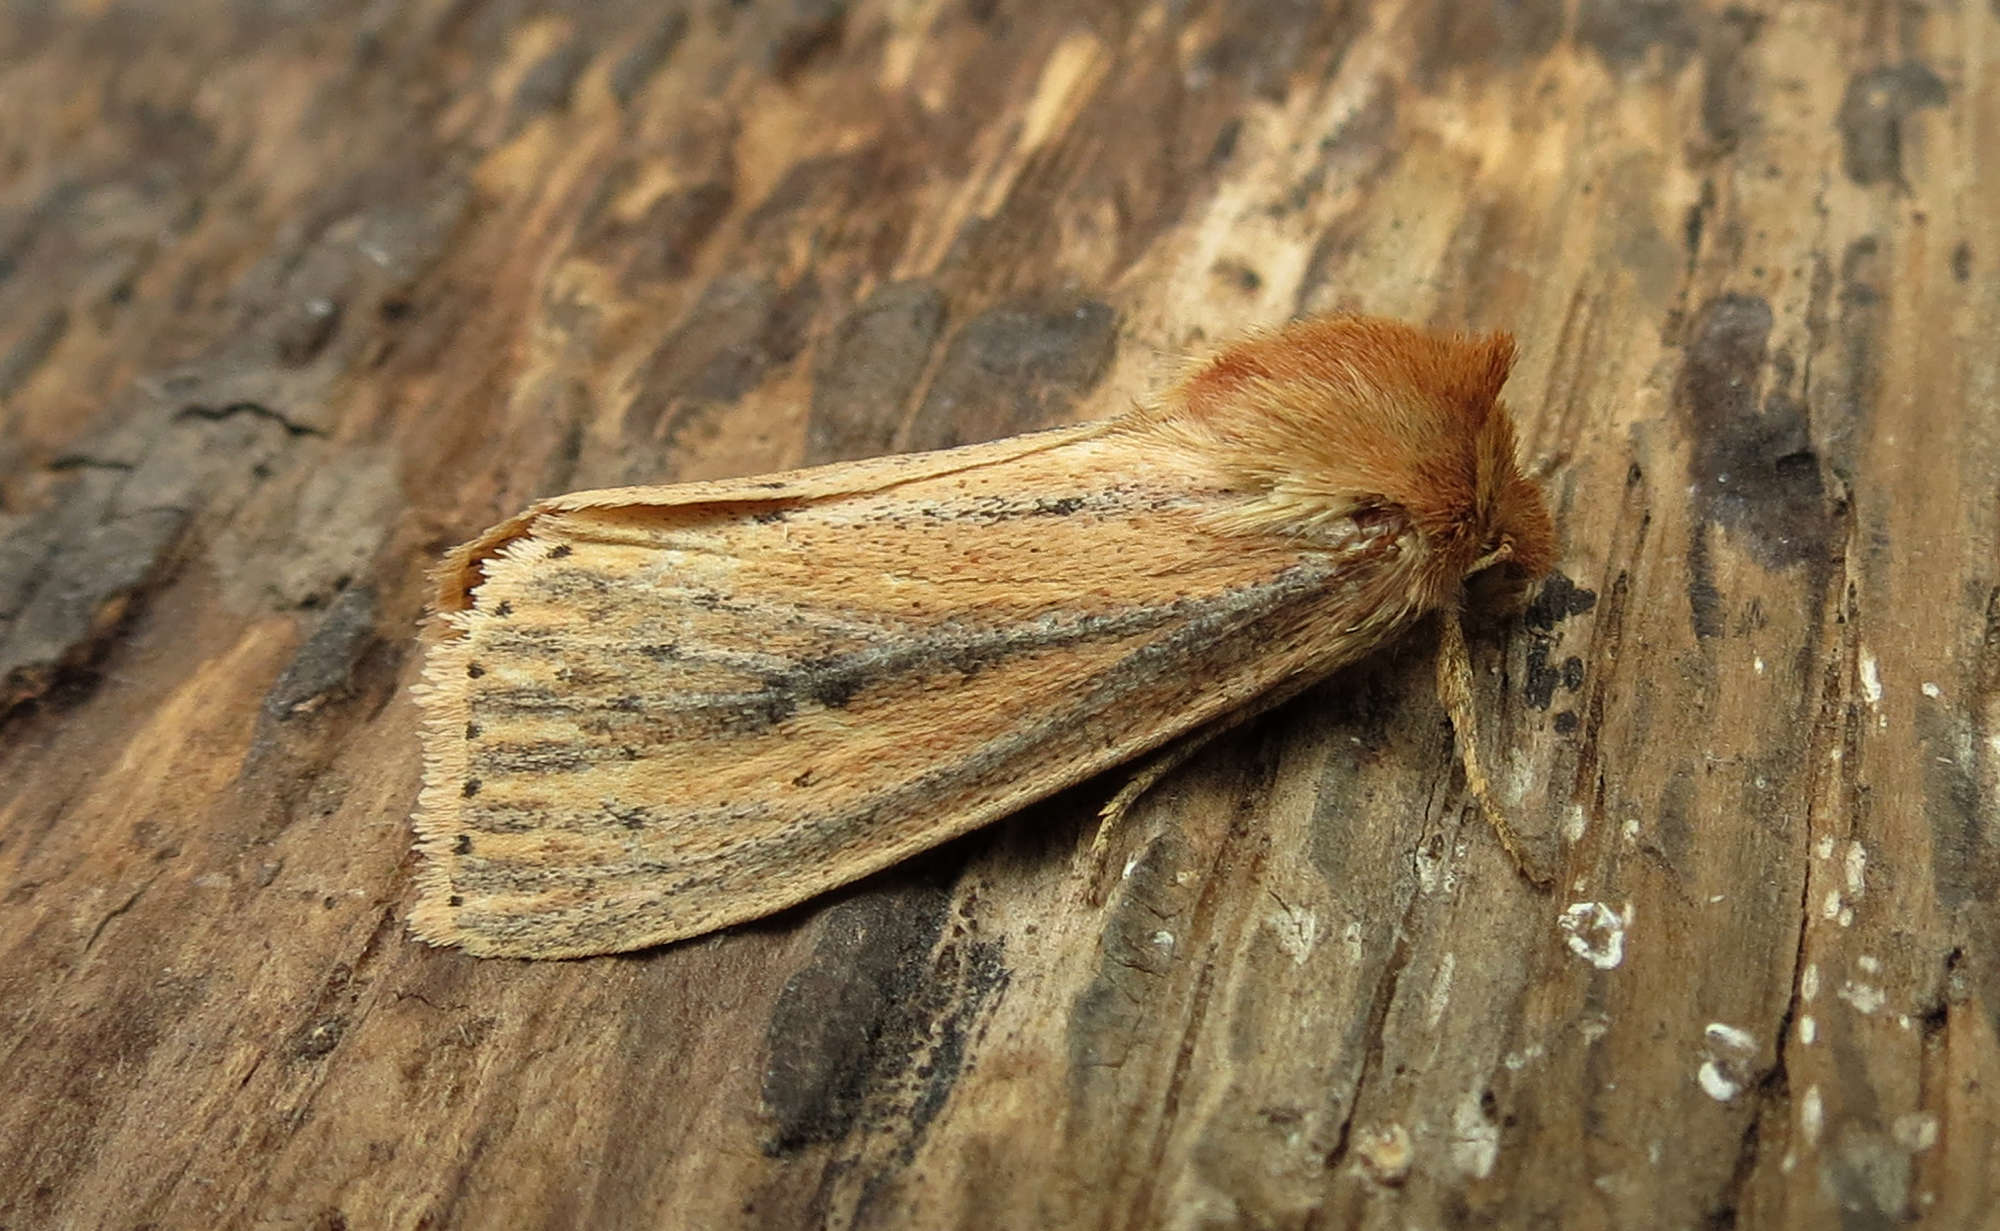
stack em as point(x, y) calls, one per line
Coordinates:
point(290, 304)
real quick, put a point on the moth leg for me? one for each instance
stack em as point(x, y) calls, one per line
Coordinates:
point(1454, 683)
point(1163, 761)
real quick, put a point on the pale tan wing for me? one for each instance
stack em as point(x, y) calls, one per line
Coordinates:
point(657, 714)
point(460, 570)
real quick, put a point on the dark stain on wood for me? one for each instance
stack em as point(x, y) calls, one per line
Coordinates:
point(69, 600)
point(809, 30)
point(648, 55)
point(663, 242)
point(1557, 599)
point(1872, 114)
point(1626, 33)
point(743, 327)
point(867, 370)
point(548, 84)
point(1729, 89)
point(1261, 44)
point(1755, 471)
point(1014, 368)
point(29, 350)
point(1483, 35)
point(842, 1019)
point(324, 666)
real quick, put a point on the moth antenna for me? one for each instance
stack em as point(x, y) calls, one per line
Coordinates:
point(1454, 684)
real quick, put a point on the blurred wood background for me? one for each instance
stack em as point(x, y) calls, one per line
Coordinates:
point(293, 296)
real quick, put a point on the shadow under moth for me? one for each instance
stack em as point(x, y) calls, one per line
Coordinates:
point(651, 712)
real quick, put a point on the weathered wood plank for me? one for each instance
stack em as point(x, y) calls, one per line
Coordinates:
point(289, 305)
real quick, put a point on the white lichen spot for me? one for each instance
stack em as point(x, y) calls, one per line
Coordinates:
point(1830, 908)
point(1440, 996)
point(1871, 678)
point(1593, 1028)
point(1575, 823)
point(1932, 690)
point(1715, 1083)
point(1869, 963)
point(1714, 898)
point(1856, 867)
point(1630, 830)
point(1915, 1131)
point(1788, 1162)
point(1518, 1060)
point(1430, 869)
point(1735, 1038)
point(1130, 864)
point(1163, 940)
point(1595, 933)
point(1808, 1029)
point(1809, 982)
point(1296, 930)
point(1731, 1052)
point(1823, 848)
point(1812, 1116)
point(1757, 664)
point(1847, 916)
point(1475, 1140)
point(1865, 997)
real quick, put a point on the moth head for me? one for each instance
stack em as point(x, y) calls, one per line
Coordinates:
point(1512, 535)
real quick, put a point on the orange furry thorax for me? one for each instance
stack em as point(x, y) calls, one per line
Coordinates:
point(1330, 416)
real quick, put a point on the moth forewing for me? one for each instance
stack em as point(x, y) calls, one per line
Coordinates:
point(661, 717)
point(653, 712)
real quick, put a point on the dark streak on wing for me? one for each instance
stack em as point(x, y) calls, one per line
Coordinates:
point(995, 510)
point(545, 756)
point(573, 583)
point(543, 699)
point(559, 642)
point(479, 874)
point(827, 682)
point(512, 816)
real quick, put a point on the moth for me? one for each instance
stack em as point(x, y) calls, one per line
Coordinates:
point(651, 712)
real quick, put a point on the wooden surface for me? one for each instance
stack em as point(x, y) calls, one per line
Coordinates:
point(294, 296)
